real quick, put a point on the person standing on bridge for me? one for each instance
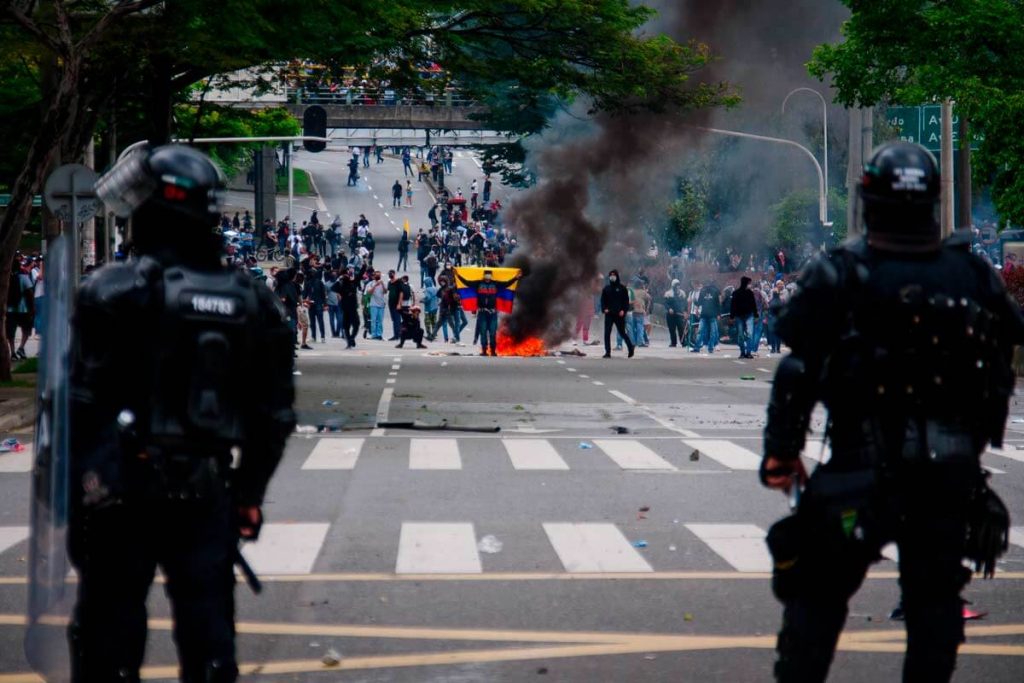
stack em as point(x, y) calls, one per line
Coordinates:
point(396, 194)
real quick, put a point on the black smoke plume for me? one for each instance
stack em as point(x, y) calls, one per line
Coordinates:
point(604, 183)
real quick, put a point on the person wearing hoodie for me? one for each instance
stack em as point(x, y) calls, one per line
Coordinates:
point(615, 305)
point(743, 309)
point(675, 312)
point(431, 303)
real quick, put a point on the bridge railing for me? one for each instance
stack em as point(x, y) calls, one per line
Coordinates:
point(388, 97)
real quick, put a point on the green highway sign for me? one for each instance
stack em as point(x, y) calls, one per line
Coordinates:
point(923, 125)
point(5, 199)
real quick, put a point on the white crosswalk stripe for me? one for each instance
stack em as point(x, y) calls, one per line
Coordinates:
point(1017, 535)
point(434, 454)
point(11, 536)
point(1011, 453)
point(437, 548)
point(285, 548)
point(630, 454)
point(727, 453)
point(334, 454)
point(594, 548)
point(533, 454)
point(741, 545)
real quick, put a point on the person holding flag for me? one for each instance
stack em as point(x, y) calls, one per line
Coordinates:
point(485, 297)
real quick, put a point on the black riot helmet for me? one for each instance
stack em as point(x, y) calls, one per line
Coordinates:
point(173, 194)
point(900, 188)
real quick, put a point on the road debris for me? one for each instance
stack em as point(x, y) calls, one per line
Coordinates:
point(490, 544)
point(695, 456)
point(331, 658)
point(640, 544)
point(585, 446)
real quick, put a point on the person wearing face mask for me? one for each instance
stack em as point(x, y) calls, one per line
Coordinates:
point(487, 308)
point(378, 301)
point(614, 305)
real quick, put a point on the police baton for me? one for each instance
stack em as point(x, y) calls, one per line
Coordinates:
point(255, 585)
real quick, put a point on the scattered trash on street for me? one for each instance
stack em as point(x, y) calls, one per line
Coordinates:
point(687, 617)
point(331, 658)
point(640, 544)
point(672, 548)
point(329, 402)
point(695, 456)
point(620, 430)
point(490, 544)
point(11, 446)
point(748, 377)
point(585, 446)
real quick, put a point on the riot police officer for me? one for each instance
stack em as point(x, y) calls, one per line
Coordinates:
point(174, 437)
point(907, 340)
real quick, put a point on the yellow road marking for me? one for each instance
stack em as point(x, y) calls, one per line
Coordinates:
point(488, 577)
point(574, 644)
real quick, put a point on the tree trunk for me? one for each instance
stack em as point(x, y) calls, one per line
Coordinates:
point(29, 182)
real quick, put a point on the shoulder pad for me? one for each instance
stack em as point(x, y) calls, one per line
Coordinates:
point(821, 273)
point(118, 281)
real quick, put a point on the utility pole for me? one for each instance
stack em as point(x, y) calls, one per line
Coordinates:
point(861, 142)
point(947, 168)
point(88, 244)
point(964, 217)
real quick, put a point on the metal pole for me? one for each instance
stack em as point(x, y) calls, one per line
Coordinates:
point(824, 126)
point(822, 204)
point(947, 167)
point(72, 239)
point(291, 179)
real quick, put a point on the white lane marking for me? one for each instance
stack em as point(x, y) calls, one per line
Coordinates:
point(533, 454)
point(437, 548)
point(632, 455)
point(598, 384)
point(560, 362)
point(741, 545)
point(397, 359)
point(392, 374)
point(764, 370)
point(389, 380)
point(622, 397)
point(380, 205)
point(387, 215)
point(369, 188)
point(17, 462)
point(584, 376)
point(11, 536)
point(434, 454)
point(1017, 535)
point(1011, 453)
point(286, 548)
point(334, 454)
point(594, 548)
point(571, 369)
point(376, 197)
point(383, 407)
point(739, 362)
point(727, 453)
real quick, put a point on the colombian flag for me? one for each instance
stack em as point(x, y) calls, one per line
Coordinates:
point(467, 278)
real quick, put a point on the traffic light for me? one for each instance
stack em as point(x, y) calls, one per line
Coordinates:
point(314, 123)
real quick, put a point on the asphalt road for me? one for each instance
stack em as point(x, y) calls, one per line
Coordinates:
point(470, 556)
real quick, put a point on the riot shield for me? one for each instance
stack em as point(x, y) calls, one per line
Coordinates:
point(50, 597)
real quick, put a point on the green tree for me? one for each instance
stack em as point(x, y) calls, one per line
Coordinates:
point(971, 51)
point(549, 50)
point(687, 215)
point(795, 219)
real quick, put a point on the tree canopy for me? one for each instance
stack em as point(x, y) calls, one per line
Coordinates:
point(921, 51)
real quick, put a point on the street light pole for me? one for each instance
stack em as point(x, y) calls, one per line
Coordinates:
point(824, 126)
point(822, 203)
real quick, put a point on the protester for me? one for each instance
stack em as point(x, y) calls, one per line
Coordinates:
point(742, 309)
point(614, 305)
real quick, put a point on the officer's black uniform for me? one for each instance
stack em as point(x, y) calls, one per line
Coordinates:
point(907, 341)
point(164, 396)
point(615, 304)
